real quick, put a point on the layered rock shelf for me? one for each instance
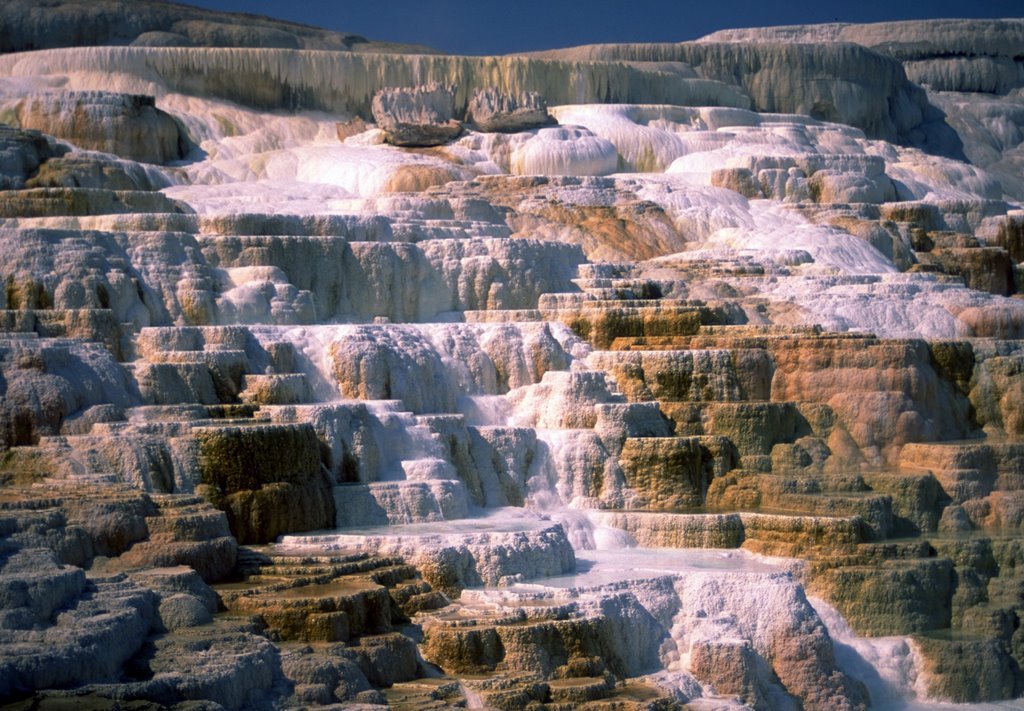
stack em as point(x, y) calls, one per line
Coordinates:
point(617, 377)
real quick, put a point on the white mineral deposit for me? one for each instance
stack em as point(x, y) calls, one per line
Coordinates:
point(339, 373)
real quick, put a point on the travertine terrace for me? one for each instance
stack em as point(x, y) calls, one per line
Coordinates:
point(335, 375)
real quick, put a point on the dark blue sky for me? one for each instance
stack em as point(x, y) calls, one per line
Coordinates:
point(487, 27)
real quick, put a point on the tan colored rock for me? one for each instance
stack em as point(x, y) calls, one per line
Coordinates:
point(183, 531)
point(640, 231)
point(49, 202)
point(753, 427)
point(915, 500)
point(541, 643)
point(666, 473)
point(329, 612)
point(418, 178)
point(602, 323)
point(740, 180)
point(897, 597)
point(1010, 235)
point(961, 670)
point(275, 389)
point(88, 172)
point(1004, 321)
point(687, 376)
point(671, 530)
point(996, 391)
point(828, 186)
point(731, 669)
point(127, 125)
point(347, 129)
point(789, 535)
point(986, 269)
point(884, 394)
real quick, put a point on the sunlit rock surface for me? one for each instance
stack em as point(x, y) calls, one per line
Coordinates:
point(489, 110)
point(862, 89)
point(292, 416)
point(126, 125)
point(971, 70)
point(419, 117)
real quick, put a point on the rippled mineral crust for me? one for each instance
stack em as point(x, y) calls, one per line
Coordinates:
point(625, 376)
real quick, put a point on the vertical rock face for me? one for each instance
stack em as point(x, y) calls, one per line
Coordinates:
point(126, 125)
point(267, 478)
point(347, 81)
point(776, 77)
point(491, 111)
point(422, 116)
point(482, 395)
point(666, 473)
point(23, 152)
point(970, 69)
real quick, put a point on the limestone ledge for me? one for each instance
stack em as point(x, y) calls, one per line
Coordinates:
point(457, 560)
point(770, 534)
point(346, 82)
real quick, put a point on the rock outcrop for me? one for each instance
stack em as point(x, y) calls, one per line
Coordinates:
point(94, 172)
point(775, 76)
point(129, 126)
point(23, 152)
point(418, 117)
point(491, 111)
point(346, 82)
point(266, 477)
point(158, 24)
point(971, 69)
point(914, 39)
point(539, 406)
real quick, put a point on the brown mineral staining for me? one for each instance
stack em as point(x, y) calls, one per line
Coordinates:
point(127, 125)
point(267, 478)
point(402, 404)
